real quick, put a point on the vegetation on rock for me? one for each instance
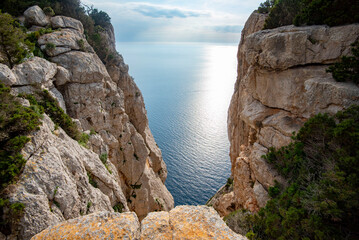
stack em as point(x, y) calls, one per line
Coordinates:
point(16, 121)
point(13, 45)
point(322, 169)
point(95, 22)
point(348, 68)
point(309, 12)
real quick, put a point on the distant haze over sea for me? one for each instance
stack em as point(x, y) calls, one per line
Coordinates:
point(187, 89)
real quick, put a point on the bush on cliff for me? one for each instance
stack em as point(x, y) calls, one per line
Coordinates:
point(322, 169)
point(310, 12)
point(13, 45)
point(347, 69)
point(16, 121)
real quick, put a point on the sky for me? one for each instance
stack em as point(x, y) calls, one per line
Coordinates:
point(177, 20)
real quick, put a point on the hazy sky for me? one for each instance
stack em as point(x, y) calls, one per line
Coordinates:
point(177, 20)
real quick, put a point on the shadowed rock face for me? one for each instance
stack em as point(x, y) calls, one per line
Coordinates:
point(55, 184)
point(282, 81)
point(183, 222)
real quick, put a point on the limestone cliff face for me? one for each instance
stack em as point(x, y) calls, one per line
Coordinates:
point(282, 81)
point(105, 100)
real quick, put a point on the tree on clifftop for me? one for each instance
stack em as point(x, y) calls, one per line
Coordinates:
point(13, 47)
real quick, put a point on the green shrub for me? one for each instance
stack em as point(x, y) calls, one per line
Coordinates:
point(50, 106)
point(266, 6)
point(91, 180)
point(329, 12)
point(16, 121)
point(49, 11)
point(118, 207)
point(103, 158)
point(348, 67)
point(322, 169)
point(83, 139)
point(14, 47)
point(50, 46)
point(310, 12)
point(282, 13)
point(81, 44)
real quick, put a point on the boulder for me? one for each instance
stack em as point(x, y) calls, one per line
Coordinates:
point(35, 71)
point(84, 67)
point(101, 225)
point(7, 77)
point(183, 222)
point(35, 16)
point(66, 22)
point(63, 41)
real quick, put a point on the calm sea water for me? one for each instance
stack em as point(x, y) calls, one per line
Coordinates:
point(187, 89)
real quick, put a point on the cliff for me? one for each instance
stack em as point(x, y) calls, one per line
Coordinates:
point(120, 167)
point(282, 81)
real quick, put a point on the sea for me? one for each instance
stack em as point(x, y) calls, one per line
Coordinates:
point(187, 89)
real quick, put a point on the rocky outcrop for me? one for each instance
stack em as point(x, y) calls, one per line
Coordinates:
point(282, 81)
point(183, 222)
point(35, 16)
point(63, 180)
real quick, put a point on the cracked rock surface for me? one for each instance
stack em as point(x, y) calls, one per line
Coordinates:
point(282, 81)
point(182, 222)
point(106, 104)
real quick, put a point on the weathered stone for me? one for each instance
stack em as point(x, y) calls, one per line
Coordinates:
point(62, 76)
point(66, 22)
point(183, 222)
point(54, 185)
point(225, 204)
point(35, 71)
point(199, 222)
point(6, 75)
point(134, 172)
point(35, 16)
point(282, 81)
point(102, 225)
point(156, 226)
point(84, 67)
point(63, 41)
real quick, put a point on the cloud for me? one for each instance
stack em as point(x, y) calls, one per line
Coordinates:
point(228, 29)
point(166, 12)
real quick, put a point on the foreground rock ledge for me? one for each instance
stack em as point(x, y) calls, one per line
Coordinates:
point(183, 222)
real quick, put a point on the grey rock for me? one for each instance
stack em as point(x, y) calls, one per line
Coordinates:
point(6, 75)
point(66, 22)
point(35, 71)
point(35, 16)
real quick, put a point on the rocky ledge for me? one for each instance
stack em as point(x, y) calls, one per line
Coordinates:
point(182, 222)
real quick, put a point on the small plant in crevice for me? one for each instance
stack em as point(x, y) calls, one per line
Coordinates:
point(89, 204)
point(136, 186)
point(83, 140)
point(91, 179)
point(118, 207)
point(10, 214)
point(50, 46)
point(81, 44)
point(103, 158)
